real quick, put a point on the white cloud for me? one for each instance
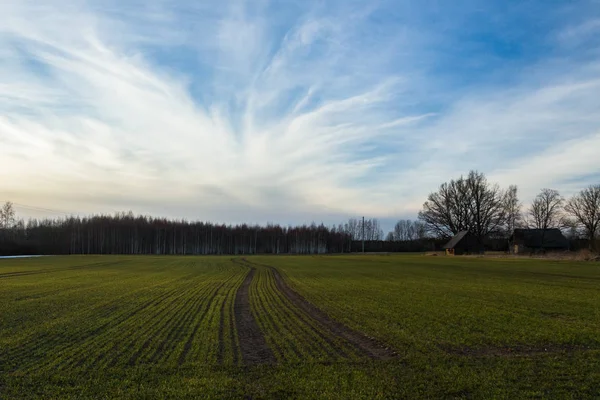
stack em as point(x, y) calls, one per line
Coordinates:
point(225, 113)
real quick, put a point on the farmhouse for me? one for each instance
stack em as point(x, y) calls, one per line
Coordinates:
point(463, 243)
point(535, 240)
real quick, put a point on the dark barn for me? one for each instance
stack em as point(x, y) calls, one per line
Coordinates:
point(463, 243)
point(538, 240)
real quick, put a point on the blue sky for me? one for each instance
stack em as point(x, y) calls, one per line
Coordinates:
point(292, 111)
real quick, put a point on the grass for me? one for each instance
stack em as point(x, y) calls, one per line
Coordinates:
point(293, 335)
point(164, 327)
point(422, 303)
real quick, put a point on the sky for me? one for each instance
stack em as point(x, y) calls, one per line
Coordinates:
point(292, 111)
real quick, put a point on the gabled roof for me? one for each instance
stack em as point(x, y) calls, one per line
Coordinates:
point(456, 239)
point(540, 238)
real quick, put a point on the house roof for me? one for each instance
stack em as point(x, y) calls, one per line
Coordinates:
point(456, 239)
point(541, 238)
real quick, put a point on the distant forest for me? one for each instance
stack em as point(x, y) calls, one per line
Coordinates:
point(468, 203)
point(125, 233)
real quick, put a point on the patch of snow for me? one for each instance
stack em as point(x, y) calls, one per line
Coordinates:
point(20, 256)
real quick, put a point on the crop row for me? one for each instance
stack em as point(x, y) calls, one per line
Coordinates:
point(166, 314)
point(291, 332)
point(114, 313)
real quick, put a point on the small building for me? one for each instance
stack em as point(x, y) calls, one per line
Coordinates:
point(525, 241)
point(463, 243)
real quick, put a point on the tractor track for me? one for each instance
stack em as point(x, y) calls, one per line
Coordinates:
point(363, 344)
point(253, 345)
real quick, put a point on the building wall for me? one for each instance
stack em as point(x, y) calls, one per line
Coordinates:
point(469, 245)
point(522, 249)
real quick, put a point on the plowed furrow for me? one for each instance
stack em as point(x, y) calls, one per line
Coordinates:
point(337, 336)
point(253, 346)
point(314, 337)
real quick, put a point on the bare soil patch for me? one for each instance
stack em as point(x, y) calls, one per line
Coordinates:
point(253, 345)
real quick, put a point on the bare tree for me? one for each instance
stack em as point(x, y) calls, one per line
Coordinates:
point(419, 230)
point(546, 210)
point(571, 229)
point(372, 229)
point(470, 203)
point(514, 217)
point(7, 215)
point(486, 206)
point(402, 230)
point(445, 212)
point(406, 230)
point(353, 228)
point(584, 207)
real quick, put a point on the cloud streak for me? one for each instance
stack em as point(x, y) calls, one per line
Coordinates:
point(239, 112)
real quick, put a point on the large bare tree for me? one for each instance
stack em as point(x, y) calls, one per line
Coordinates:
point(584, 207)
point(470, 203)
point(445, 212)
point(486, 206)
point(546, 210)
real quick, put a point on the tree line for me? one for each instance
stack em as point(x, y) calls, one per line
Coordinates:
point(371, 230)
point(125, 233)
point(471, 203)
point(468, 203)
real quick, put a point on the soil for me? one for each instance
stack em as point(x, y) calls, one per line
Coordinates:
point(253, 346)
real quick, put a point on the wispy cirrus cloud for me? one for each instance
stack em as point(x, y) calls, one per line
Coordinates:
point(258, 112)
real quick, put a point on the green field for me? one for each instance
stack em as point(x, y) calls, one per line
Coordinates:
point(378, 326)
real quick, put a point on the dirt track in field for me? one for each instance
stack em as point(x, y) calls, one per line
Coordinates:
point(368, 346)
point(253, 346)
point(250, 335)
